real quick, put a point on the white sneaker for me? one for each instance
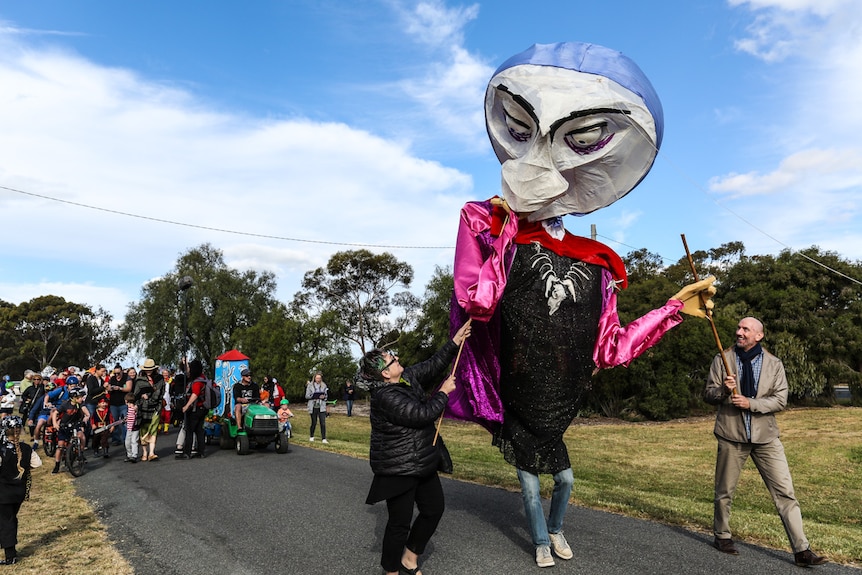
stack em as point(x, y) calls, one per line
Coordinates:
point(543, 556)
point(560, 545)
point(324, 441)
point(311, 439)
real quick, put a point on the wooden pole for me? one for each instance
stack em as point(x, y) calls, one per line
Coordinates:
point(708, 311)
point(454, 367)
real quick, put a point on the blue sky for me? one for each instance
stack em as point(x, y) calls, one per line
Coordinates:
point(328, 125)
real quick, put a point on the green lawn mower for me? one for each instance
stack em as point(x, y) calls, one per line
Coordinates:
point(260, 428)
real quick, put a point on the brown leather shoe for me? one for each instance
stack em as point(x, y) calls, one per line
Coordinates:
point(725, 546)
point(808, 557)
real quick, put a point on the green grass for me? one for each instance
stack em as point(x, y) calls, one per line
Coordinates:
point(658, 471)
point(58, 532)
point(665, 472)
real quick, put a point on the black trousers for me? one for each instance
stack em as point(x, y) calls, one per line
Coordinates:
point(194, 426)
point(427, 495)
point(318, 414)
point(9, 525)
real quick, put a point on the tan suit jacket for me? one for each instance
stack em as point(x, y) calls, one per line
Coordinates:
point(771, 398)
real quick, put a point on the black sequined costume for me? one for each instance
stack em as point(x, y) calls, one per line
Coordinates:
point(549, 313)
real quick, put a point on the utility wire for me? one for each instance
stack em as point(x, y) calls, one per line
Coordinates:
point(664, 157)
point(221, 230)
point(684, 175)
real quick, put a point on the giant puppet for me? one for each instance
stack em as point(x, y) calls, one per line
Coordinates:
point(576, 127)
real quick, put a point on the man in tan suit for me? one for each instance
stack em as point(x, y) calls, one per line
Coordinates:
point(745, 427)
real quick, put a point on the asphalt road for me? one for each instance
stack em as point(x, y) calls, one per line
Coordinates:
point(304, 513)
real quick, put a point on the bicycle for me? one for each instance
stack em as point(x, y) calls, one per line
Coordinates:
point(74, 452)
point(49, 440)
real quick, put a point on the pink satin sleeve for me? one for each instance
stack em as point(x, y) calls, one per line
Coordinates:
point(617, 345)
point(480, 280)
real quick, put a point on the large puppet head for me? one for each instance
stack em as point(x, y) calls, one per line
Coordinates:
point(576, 127)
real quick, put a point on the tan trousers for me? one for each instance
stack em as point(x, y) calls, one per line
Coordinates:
point(771, 462)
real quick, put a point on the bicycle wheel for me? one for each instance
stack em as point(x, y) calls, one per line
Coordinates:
point(75, 459)
point(50, 447)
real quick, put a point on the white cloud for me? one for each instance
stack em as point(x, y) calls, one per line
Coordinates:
point(434, 24)
point(811, 193)
point(822, 170)
point(785, 28)
point(819, 7)
point(452, 89)
point(112, 139)
point(110, 299)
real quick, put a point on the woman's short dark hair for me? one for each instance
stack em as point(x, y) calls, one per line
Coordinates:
point(372, 364)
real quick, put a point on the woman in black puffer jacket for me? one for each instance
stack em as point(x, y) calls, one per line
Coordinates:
point(403, 456)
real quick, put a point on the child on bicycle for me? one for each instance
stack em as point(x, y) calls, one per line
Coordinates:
point(69, 418)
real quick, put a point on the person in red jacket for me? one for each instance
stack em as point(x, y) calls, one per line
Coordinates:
point(101, 419)
point(194, 411)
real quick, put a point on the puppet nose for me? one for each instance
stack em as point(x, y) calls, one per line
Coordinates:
point(532, 181)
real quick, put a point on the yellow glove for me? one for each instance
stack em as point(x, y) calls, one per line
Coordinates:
point(690, 296)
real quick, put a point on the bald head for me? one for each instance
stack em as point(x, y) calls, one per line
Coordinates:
point(749, 332)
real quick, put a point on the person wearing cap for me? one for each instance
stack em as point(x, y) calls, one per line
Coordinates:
point(69, 415)
point(284, 415)
point(149, 389)
point(43, 402)
point(16, 461)
point(244, 392)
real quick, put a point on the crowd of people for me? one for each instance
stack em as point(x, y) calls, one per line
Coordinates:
point(126, 408)
point(105, 408)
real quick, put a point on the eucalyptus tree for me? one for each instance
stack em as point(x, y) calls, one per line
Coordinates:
point(49, 330)
point(196, 308)
point(431, 328)
point(354, 294)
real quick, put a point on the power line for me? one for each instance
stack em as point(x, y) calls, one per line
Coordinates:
point(385, 246)
point(221, 230)
point(700, 188)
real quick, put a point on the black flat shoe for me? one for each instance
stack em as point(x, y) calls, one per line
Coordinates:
point(405, 571)
point(12, 561)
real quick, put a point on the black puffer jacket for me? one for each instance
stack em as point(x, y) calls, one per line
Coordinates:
point(403, 418)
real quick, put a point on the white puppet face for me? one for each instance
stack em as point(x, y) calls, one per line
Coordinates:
point(570, 142)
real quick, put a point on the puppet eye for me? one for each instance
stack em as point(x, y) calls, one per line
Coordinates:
point(588, 139)
point(518, 122)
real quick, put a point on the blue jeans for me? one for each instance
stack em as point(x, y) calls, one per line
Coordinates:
point(532, 497)
point(118, 434)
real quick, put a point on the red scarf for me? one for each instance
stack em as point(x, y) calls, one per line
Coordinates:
point(571, 246)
